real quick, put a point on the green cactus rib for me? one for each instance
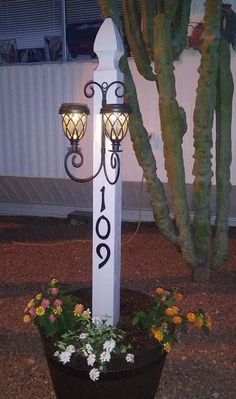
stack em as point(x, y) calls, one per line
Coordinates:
point(180, 27)
point(203, 121)
point(172, 125)
point(223, 154)
point(135, 39)
point(148, 13)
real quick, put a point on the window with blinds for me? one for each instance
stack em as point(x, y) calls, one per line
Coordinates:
point(48, 30)
point(83, 19)
point(25, 27)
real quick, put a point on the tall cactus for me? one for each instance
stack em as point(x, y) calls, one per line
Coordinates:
point(158, 35)
point(172, 128)
point(223, 154)
point(203, 120)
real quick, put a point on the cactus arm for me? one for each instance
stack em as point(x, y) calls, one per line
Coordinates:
point(203, 120)
point(146, 160)
point(141, 143)
point(180, 27)
point(171, 117)
point(135, 39)
point(109, 8)
point(223, 154)
point(148, 12)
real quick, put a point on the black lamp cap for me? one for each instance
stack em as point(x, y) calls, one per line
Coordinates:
point(71, 108)
point(110, 108)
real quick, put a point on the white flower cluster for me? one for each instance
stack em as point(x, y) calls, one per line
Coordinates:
point(83, 336)
point(96, 344)
point(94, 374)
point(130, 358)
point(98, 321)
point(64, 357)
point(105, 357)
point(108, 346)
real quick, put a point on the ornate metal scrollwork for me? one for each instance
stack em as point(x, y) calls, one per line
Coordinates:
point(74, 156)
point(104, 87)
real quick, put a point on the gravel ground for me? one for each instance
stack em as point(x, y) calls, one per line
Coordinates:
point(33, 250)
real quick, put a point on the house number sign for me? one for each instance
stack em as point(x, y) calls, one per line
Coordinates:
point(103, 231)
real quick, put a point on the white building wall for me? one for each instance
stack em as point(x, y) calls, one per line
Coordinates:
point(32, 142)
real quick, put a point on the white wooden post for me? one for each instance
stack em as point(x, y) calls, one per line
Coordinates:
point(106, 198)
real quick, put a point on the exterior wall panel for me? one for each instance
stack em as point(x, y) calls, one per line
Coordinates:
point(32, 143)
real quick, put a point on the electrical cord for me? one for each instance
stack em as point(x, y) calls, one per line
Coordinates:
point(139, 214)
point(49, 245)
point(125, 242)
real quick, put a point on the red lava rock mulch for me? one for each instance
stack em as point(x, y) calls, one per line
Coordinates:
point(33, 250)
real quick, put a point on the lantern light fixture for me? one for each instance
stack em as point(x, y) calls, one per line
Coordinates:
point(74, 120)
point(115, 123)
point(115, 120)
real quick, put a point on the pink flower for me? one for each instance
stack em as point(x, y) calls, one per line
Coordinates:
point(54, 291)
point(45, 303)
point(52, 318)
point(32, 312)
point(57, 303)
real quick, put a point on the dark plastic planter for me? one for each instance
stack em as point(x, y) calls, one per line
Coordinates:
point(138, 380)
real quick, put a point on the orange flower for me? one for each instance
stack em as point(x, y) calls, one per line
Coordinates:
point(160, 291)
point(158, 335)
point(209, 322)
point(179, 296)
point(177, 320)
point(191, 317)
point(169, 312)
point(79, 308)
point(198, 323)
point(172, 311)
point(30, 304)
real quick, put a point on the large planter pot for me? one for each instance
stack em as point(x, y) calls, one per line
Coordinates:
point(138, 380)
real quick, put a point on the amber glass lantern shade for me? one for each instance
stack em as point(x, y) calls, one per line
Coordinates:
point(115, 122)
point(74, 120)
